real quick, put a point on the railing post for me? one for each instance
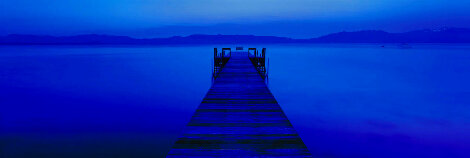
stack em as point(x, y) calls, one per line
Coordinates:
point(263, 52)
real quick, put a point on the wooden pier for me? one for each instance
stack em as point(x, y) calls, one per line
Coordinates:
point(239, 117)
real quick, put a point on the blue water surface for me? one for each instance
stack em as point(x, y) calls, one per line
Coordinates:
point(345, 100)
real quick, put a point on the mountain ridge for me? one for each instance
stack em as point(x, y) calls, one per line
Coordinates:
point(443, 35)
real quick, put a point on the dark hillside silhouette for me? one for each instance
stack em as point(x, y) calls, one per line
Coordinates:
point(444, 35)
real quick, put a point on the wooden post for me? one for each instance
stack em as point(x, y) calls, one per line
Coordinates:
point(253, 49)
point(214, 64)
point(224, 49)
point(263, 53)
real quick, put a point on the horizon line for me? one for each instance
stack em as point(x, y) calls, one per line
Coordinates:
point(194, 34)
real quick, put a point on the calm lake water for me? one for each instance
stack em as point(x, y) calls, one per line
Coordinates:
point(133, 101)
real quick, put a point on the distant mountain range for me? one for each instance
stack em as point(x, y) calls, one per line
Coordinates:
point(444, 35)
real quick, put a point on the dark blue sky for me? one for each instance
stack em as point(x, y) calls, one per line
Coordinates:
point(293, 18)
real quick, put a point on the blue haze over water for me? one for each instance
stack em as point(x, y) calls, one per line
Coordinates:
point(345, 100)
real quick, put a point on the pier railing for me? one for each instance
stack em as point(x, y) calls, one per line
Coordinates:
point(220, 59)
point(259, 61)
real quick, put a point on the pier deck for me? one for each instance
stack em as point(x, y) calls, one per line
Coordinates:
point(239, 117)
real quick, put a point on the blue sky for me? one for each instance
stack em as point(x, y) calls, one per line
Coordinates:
point(295, 18)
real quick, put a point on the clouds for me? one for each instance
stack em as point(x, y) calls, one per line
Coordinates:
point(75, 15)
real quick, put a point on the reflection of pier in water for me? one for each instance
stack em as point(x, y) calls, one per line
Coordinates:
point(239, 117)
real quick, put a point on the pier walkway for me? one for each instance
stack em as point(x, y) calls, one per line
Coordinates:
point(239, 117)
